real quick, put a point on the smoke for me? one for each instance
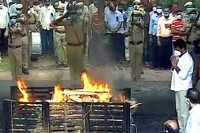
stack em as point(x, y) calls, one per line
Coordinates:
point(106, 74)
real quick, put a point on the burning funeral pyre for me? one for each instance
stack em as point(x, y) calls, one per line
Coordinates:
point(79, 110)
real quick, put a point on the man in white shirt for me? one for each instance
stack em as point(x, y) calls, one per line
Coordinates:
point(4, 20)
point(113, 22)
point(182, 70)
point(164, 41)
point(193, 122)
point(46, 17)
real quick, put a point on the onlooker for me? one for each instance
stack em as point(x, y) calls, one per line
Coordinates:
point(153, 25)
point(182, 69)
point(171, 126)
point(113, 22)
point(4, 20)
point(177, 25)
point(193, 122)
point(165, 39)
point(154, 10)
point(124, 29)
point(46, 17)
point(95, 29)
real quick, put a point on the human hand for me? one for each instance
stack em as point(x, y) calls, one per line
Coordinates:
point(158, 42)
point(174, 61)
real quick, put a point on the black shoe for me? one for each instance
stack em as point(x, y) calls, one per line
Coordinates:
point(25, 71)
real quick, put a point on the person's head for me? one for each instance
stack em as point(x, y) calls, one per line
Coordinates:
point(136, 15)
point(19, 9)
point(171, 126)
point(61, 8)
point(175, 8)
point(121, 7)
point(13, 19)
point(166, 13)
point(36, 3)
point(95, 2)
point(188, 6)
point(1, 4)
point(179, 15)
point(55, 5)
point(46, 3)
point(112, 6)
point(193, 96)
point(159, 9)
point(154, 8)
point(193, 14)
point(136, 4)
point(180, 45)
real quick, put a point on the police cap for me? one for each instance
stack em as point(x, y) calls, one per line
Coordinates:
point(13, 15)
point(61, 6)
point(192, 11)
point(188, 4)
point(137, 1)
point(19, 6)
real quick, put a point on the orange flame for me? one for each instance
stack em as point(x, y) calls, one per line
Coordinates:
point(58, 94)
point(23, 89)
point(102, 90)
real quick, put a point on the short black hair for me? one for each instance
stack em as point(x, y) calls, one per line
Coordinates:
point(180, 43)
point(193, 95)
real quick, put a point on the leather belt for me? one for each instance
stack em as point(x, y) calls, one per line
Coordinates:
point(61, 32)
point(75, 44)
point(14, 47)
point(135, 43)
point(32, 23)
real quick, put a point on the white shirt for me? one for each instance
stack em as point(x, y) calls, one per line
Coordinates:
point(183, 80)
point(4, 18)
point(193, 122)
point(12, 8)
point(46, 17)
point(162, 30)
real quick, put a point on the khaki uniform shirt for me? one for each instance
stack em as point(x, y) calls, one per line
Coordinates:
point(74, 30)
point(59, 28)
point(137, 33)
point(16, 41)
point(31, 21)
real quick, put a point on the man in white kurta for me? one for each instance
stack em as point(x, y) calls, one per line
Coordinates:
point(182, 69)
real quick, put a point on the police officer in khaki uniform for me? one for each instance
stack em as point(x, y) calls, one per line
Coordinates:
point(74, 35)
point(15, 46)
point(60, 43)
point(22, 20)
point(136, 25)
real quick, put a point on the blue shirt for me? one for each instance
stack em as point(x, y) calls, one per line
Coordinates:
point(113, 19)
point(153, 25)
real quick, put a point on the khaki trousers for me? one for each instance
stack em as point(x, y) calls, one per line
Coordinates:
point(61, 48)
point(75, 59)
point(135, 57)
point(182, 108)
point(15, 58)
point(24, 52)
